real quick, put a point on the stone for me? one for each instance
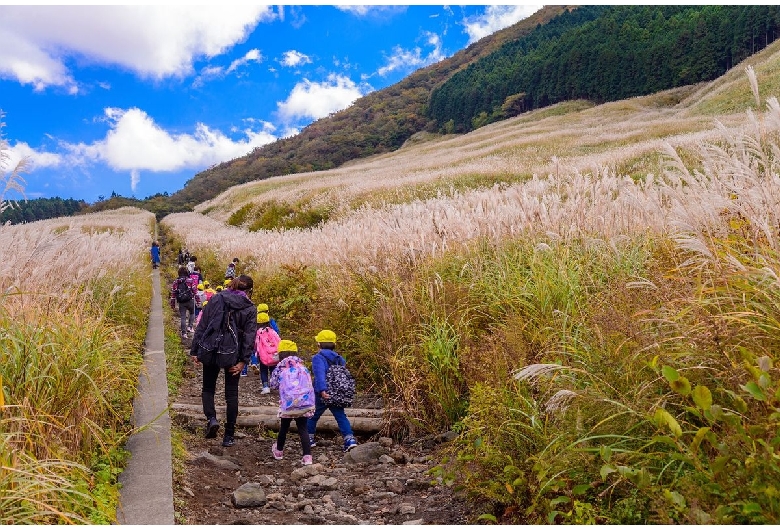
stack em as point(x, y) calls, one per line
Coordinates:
point(414, 521)
point(406, 509)
point(218, 461)
point(367, 453)
point(249, 495)
point(384, 441)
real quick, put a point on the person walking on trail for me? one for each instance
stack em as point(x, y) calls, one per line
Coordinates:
point(296, 399)
point(155, 253)
point(183, 291)
point(326, 356)
point(230, 272)
point(266, 349)
point(225, 340)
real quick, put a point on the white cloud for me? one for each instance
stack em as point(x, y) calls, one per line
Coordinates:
point(136, 143)
point(252, 55)
point(293, 58)
point(317, 100)
point(496, 18)
point(37, 159)
point(407, 60)
point(372, 10)
point(153, 41)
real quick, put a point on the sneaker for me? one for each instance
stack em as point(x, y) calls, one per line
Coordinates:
point(255, 369)
point(349, 444)
point(265, 390)
point(312, 443)
point(276, 452)
point(306, 460)
point(244, 374)
point(228, 441)
point(212, 427)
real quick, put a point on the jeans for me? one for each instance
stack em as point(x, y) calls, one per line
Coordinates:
point(185, 308)
point(264, 373)
point(300, 422)
point(210, 374)
point(338, 413)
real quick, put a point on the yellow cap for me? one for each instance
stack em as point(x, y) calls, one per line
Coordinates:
point(325, 335)
point(287, 345)
point(262, 307)
point(262, 318)
point(201, 286)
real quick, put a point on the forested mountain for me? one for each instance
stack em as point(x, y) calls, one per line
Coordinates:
point(597, 53)
point(376, 123)
point(603, 53)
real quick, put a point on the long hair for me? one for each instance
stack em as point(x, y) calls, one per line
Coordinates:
point(242, 283)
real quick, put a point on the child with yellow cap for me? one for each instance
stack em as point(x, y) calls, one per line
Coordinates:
point(320, 362)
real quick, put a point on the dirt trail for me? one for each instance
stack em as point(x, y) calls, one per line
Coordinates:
point(390, 484)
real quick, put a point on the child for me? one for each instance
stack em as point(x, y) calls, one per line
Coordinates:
point(230, 273)
point(197, 319)
point(271, 321)
point(200, 298)
point(326, 341)
point(296, 399)
point(266, 348)
point(208, 290)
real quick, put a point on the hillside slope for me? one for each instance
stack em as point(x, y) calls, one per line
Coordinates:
point(379, 122)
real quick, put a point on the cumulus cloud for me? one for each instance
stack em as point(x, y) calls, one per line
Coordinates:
point(152, 41)
point(407, 60)
point(372, 10)
point(317, 100)
point(495, 18)
point(136, 143)
point(293, 58)
point(37, 159)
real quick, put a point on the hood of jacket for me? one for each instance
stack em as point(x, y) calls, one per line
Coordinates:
point(235, 300)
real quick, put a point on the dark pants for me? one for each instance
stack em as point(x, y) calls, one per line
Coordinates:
point(185, 308)
point(264, 371)
point(210, 374)
point(300, 422)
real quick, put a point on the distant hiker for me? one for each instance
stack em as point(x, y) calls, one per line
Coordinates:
point(230, 272)
point(186, 257)
point(155, 253)
point(180, 260)
point(320, 363)
point(296, 399)
point(183, 291)
point(191, 264)
point(224, 339)
point(263, 308)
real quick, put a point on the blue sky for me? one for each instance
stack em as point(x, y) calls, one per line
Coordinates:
point(138, 99)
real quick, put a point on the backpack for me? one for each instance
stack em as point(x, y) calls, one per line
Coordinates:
point(267, 346)
point(183, 291)
point(296, 392)
point(219, 344)
point(341, 385)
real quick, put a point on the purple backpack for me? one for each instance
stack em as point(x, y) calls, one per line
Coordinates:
point(296, 392)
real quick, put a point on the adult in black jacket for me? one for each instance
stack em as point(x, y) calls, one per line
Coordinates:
point(225, 338)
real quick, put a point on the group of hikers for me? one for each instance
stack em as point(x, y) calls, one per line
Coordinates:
point(232, 334)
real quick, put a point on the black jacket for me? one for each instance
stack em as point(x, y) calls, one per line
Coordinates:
point(206, 342)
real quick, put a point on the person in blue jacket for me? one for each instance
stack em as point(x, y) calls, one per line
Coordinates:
point(155, 253)
point(326, 341)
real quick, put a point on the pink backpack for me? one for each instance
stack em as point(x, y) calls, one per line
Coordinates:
point(267, 346)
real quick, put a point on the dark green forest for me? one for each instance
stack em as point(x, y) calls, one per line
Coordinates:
point(600, 54)
point(39, 209)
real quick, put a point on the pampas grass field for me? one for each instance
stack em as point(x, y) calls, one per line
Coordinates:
point(586, 295)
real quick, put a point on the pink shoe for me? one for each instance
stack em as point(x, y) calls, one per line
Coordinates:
point(306, 460)
point(276, 452)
